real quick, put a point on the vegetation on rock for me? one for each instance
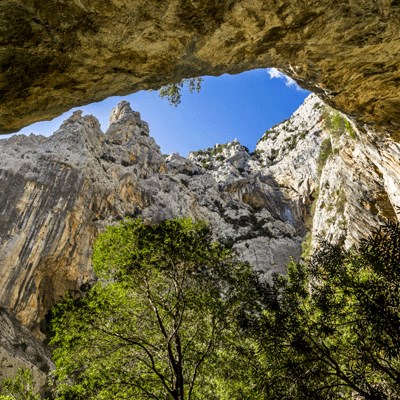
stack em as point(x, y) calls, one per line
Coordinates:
point(339, 125)
point(21, 387)
point(324, 154)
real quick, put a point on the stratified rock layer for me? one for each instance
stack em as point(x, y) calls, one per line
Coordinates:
point(56, 54)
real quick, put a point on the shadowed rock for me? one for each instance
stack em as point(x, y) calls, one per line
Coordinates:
point(57, 54)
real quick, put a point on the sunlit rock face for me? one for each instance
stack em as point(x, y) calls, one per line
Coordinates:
point(56, 54)
point(343, 182)
point(315, 173)
point(58, 193)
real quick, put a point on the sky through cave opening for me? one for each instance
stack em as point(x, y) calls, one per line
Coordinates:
point(227, 107)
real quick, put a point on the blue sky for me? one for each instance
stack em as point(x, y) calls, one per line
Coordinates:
point(240, 106)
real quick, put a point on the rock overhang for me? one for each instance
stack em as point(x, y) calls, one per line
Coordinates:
point(59, 54)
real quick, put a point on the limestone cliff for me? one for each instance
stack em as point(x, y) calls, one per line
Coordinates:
point(61, 191)
point(56, 54)
point(315, 173)
point(344, 181)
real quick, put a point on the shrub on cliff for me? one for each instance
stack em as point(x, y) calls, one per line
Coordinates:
point(20, 387)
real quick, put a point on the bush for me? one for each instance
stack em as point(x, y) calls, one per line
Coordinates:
point(21, 387)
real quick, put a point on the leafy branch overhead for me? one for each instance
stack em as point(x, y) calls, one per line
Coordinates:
point(173, 91)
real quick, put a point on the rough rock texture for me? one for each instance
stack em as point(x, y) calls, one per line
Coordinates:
point(56, 54)
point(60, 191)
point(315, 172)
point(359, 186)
point(343, 182)
point(20, 349)
point(290, 152)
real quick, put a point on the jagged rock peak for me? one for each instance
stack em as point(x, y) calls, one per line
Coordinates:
point(122, 112)
point(126, 122)
point(76, 118)
point(225, 161)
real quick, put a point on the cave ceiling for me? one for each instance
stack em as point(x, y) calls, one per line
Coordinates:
point(57, 54)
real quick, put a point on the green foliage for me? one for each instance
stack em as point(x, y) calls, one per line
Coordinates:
point(291, 142)
point(332, 330)
point(269, 134)
point(274, 154)
point(324, 153)
point(306, 245)
point(21, 387)
point(173, 91)
point(175, 315)
point(161, 322)
point(317, 106)
point(339, 125)
point(258, 155)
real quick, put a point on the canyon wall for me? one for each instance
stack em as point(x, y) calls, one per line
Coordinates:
point(61, 191)
point(314, 176)
point(57, 54)
point(321, 174)
point(315, 172)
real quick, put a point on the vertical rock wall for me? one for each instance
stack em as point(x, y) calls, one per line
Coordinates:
point(316, 173)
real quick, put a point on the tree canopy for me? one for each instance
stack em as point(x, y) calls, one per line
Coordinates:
point(331, 330)
point(175, 315)
point(160, 323)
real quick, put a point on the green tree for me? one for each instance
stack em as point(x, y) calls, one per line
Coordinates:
point(160, 323)
point(173, 91)
point(332, 330)
point(21, 387)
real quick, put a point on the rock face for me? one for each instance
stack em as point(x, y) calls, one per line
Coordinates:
point(20, 349)
point(315, 173)
point(56, 54)
point(62, 190)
